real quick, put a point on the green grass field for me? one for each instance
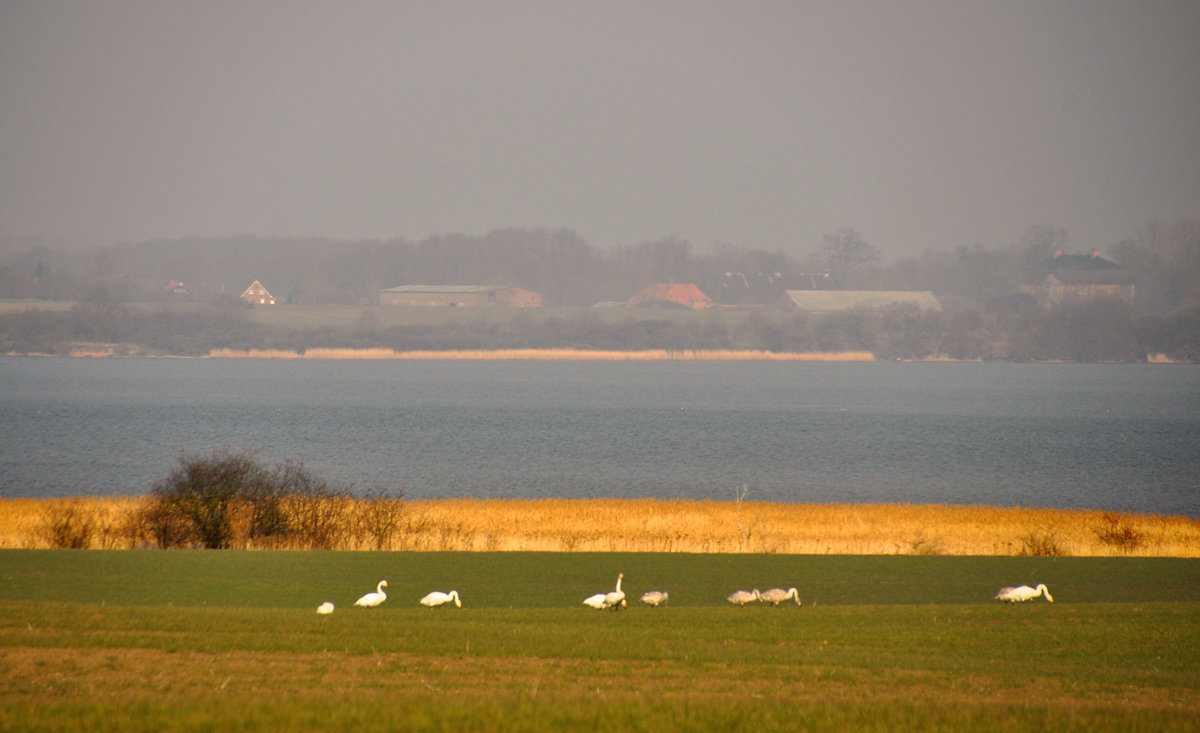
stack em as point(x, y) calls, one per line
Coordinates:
point(133, 640)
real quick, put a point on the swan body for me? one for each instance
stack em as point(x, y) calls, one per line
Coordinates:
point(371, 600)
point(612, 599)
point(775, 596)
point(438, 598)
point(742, 597)
point(325, 608)
point(1023, 593)
point(615, 598)
point(596, 601)
point(655, 598)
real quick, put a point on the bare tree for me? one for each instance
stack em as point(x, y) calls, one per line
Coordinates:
point(844, 252)
point(1040, 242)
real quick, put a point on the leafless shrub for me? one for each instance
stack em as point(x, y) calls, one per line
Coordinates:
point(1115, 531)
point(1040, 544)
point(317, 520)
point(228, 498)
point(205, 490)
point(745, 529)
point(67, 525)
point(923, 545)
point(158, 524)
point(379, 517)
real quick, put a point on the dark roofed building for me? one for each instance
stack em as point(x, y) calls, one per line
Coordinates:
point(1075, 278)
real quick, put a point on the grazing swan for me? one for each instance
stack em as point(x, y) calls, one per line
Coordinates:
point(655, 598)
point(596, 601)
point(615, 598)
point(325, 608)
point(438, 598)
point(372, 600)
point(775, 596)
point(1023, 593)
point(742, 597)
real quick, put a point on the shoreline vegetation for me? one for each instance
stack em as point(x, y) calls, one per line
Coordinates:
point(546, 354)
point(637, 525)
point(125, 351)
point(109, 328)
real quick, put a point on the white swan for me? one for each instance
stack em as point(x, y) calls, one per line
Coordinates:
point(596, 601)
point(372, 600)
point(742, 597)
point(775, 596)
point(615, 598)
point(325, 608)
point(655, 598)
point(1023, 593)
point(438, 598)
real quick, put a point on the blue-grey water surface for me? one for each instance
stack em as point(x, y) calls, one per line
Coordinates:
point(1114, 437)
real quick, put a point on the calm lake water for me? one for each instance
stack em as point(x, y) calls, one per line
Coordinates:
point(1118, 437)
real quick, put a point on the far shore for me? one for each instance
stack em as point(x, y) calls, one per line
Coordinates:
point(547, 354)
point(99, 351)
point(126, 351)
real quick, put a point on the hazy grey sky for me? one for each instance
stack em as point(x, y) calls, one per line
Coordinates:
point(923, 124)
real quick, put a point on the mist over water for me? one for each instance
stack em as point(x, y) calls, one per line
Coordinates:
point(1116, 437)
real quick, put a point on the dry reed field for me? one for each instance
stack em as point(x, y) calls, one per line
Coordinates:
point(546, 354)
point(611, 525)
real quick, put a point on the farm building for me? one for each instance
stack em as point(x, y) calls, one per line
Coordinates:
point(462, 296)
point(670, 295)
point(258, 295)
point(1074, 278)
point(826, 301)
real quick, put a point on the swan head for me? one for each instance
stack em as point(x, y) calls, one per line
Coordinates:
point(457, 600)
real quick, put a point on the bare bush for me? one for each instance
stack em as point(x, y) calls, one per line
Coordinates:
point(1115, 531)
point(157, 523)
point(745, 530)
point(314, 510)
point(229, 498)
point(68, 525)
point(923, 545)
point(204, 491)
point(1040, 544)
point(380, 514)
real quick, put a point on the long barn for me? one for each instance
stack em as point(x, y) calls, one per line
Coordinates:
point(462, 296)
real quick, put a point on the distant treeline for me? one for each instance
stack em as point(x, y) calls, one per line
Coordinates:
point(1092, 332)
point(1162, 260)
point(181, 296)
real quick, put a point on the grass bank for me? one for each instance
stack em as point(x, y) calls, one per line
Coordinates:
point(613, 525)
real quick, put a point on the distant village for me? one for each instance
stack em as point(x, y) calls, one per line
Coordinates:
point(1060, 279)
point(540, 289)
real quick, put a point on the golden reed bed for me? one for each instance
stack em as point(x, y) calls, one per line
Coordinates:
point(608, 525)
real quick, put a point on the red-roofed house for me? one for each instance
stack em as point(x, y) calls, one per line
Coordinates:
point(670, 295)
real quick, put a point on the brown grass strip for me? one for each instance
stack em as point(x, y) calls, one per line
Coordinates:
point(55, 674)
